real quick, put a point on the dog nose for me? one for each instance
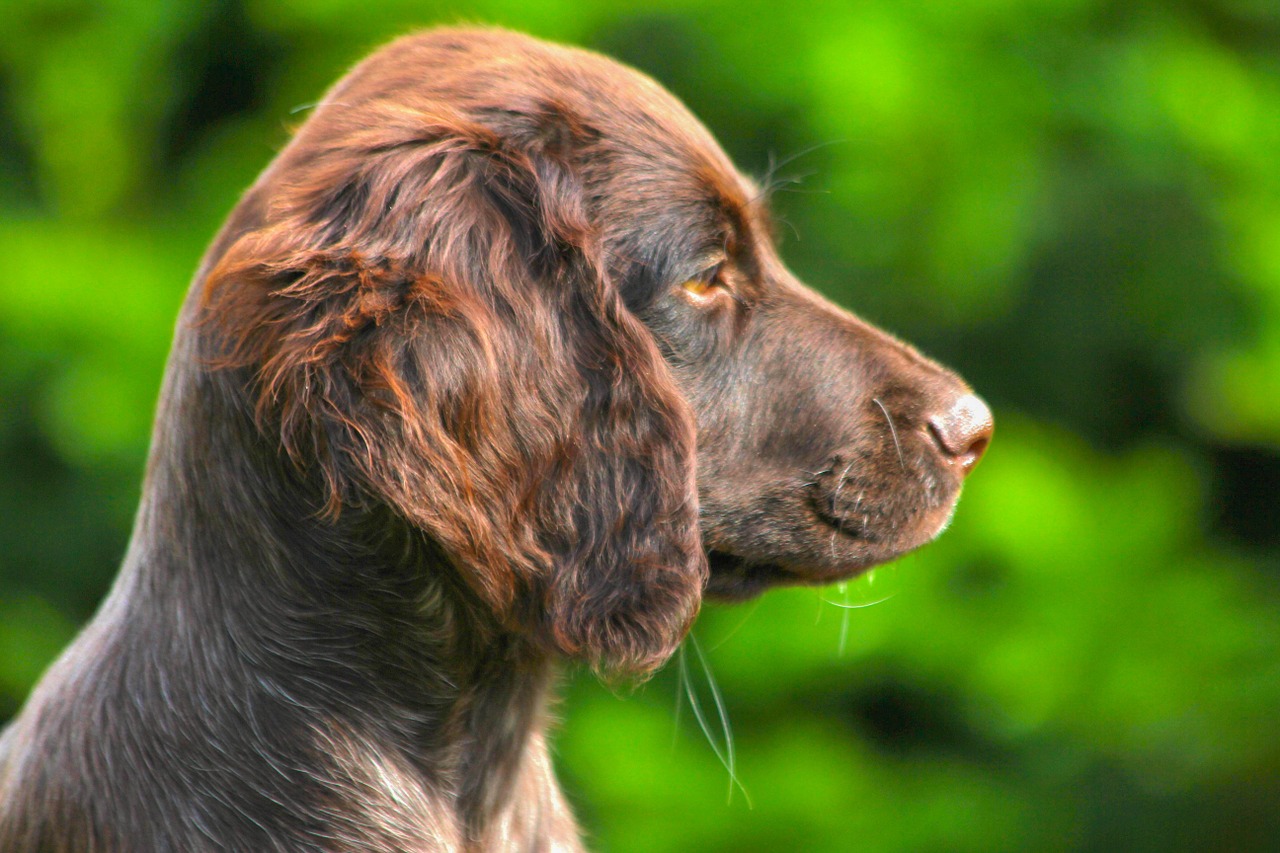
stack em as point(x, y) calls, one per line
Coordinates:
point(963, 431)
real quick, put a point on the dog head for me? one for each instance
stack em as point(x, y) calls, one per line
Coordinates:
point(516, 294)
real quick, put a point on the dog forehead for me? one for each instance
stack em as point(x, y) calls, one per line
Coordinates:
point(660, 152)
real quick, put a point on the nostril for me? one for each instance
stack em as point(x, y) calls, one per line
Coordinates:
point(963, 432)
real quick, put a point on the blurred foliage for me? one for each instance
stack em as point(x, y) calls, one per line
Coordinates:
point(1074, 202)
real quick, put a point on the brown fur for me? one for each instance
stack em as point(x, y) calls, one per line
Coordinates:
point(440, 414)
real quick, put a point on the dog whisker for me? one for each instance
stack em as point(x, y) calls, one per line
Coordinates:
point(893, 431)
point(846, 605)
point(835, 495)
point(844, 622)
point(724, 751)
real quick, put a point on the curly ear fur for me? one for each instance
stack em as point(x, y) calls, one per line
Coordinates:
point(429, 324)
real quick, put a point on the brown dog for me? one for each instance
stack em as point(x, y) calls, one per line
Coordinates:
point(494, 366)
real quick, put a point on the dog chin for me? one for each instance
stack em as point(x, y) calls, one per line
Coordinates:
point(735, 578)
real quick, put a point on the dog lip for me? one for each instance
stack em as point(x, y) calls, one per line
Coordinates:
point(848, 526)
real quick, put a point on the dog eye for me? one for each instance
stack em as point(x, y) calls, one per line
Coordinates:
point(708, 286)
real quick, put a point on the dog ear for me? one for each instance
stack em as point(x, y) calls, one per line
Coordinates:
point(429, 325)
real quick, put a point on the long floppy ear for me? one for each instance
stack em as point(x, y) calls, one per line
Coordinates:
point(429, 325)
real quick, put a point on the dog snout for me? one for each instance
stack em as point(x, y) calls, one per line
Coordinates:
point(962, 430)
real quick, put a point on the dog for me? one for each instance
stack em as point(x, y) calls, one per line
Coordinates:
point(494, 368)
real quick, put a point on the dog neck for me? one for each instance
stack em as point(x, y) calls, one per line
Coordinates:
point(329, 683)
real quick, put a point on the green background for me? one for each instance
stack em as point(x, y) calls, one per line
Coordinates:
point(1076, 203)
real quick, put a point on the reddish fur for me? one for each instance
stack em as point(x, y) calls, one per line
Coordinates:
point(485, 446)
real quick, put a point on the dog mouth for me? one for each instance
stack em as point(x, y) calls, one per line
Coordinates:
point(736, 578)
point(833, 539)
point(881, 509)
